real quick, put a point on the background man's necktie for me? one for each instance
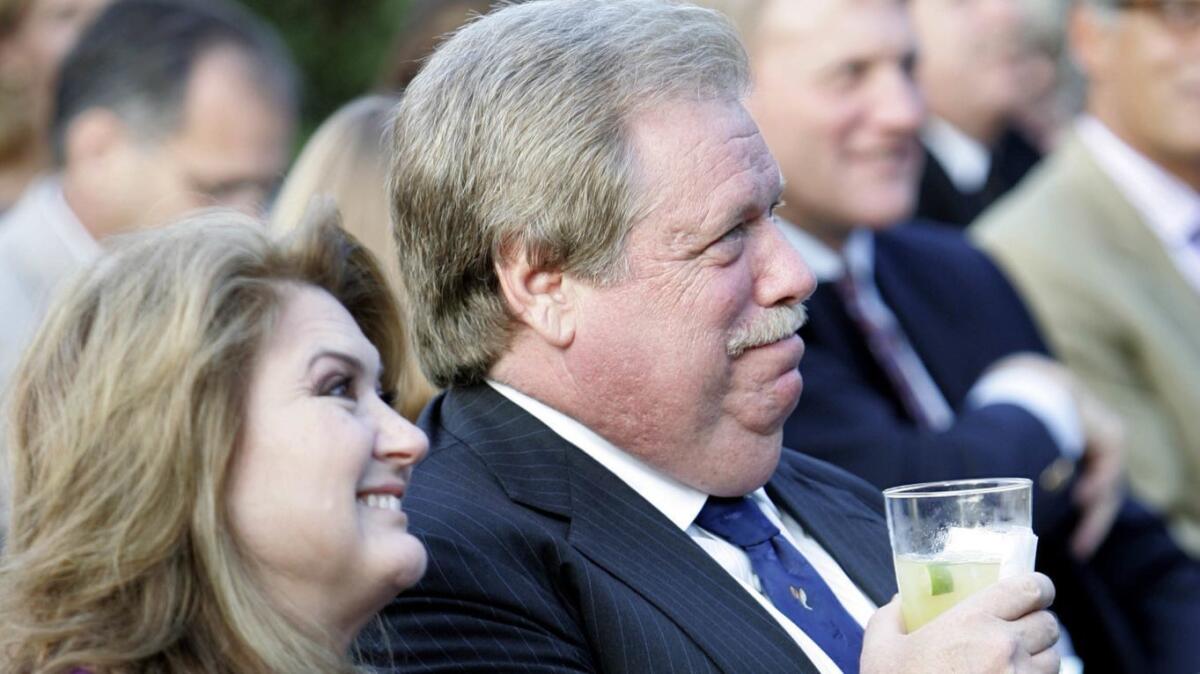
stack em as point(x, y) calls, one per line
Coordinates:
point(883, 339)
point(792, 584)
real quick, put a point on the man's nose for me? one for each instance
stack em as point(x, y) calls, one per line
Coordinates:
point(785, 278)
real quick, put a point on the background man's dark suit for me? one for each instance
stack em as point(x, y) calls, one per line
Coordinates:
point(940, 200)
point(543, 560)
point(961, 315)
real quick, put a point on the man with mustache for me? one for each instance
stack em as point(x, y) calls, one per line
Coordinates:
point(922, 362)
point(584, 214)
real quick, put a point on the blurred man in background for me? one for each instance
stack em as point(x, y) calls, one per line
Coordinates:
point(1104, 240)
point(922, 363)
point(972, 74)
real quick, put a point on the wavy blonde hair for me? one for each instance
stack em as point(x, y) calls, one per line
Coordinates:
point(126, 412)
point(345, 160)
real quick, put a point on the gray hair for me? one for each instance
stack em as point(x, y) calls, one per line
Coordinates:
point(513, 141)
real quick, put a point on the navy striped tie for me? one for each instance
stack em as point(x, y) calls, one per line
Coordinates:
point(792, 584)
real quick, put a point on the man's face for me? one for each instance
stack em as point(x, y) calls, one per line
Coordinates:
point(835, 99)
point(707, 265)
point(1144, 78)
point(230, 149)
point(971, 59)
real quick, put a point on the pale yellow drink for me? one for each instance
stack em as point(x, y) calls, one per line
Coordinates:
point(930, 585)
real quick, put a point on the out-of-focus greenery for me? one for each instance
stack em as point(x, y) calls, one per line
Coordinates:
point(339, 46)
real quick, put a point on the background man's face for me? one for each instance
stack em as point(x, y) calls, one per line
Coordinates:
point(835, 99)
point(1144, 76)
point(230, 150)
point(971, 58)
point(706, 260)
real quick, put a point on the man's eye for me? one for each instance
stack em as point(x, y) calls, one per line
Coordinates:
point(851, 73)
point(734, 234)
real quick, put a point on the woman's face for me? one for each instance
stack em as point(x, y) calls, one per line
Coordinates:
point(316, 486)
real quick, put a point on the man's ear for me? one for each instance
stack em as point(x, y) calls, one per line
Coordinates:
point(92, 136)
point(1090, 40)
point(544, 299)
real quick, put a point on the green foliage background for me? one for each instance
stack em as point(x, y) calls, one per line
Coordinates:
point(339, 46)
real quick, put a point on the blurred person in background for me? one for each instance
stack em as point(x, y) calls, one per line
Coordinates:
point(1104, 239)
point(427, 23)
point(161, 107)
point(207, 468)
point(971, 70)
point(34, 37)
point(921, 362)
point(345, 160)
point(1051, 83)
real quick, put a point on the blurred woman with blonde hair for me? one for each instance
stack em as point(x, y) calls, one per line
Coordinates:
point(345, 161)
point(207, 472)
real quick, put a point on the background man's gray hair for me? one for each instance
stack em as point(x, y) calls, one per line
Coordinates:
point(513, 141)
point(745, 15)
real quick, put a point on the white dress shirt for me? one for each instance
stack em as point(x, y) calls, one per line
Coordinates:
point(681, 504)
point(965, 160)
point(1042, 397)
point(1168, 206)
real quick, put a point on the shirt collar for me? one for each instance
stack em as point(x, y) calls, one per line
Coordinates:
point(826, 263)
point(965, 160)
point(679, 502)
point(77, 241)
point(1168, 205)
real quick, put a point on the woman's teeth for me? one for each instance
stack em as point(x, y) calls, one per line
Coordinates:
point(381, 501)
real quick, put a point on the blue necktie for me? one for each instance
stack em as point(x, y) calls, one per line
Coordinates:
point(792, 584)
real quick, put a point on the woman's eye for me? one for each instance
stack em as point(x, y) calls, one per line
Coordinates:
point(339, 387)
point(388, 396)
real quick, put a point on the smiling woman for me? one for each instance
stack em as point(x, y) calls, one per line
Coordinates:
point(207, 471)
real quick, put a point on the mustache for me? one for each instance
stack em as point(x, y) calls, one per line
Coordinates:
point(773, 325)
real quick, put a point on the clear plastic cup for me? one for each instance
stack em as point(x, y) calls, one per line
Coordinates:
point(952, 539)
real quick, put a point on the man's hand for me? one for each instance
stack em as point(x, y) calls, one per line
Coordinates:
point(1100, 489)
point(1003, 628)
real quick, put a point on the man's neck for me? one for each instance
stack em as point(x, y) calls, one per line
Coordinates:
point(1186, 168)
point(84, 209)
point(984, 130)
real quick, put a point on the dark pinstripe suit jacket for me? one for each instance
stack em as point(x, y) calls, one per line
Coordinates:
point(542, 560)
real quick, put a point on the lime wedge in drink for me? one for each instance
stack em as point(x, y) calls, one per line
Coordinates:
point(941, 581)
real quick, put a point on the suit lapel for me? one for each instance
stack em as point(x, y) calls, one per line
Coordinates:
point(621, 533)
point(844, 526)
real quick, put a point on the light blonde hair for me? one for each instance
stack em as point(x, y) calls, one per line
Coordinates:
point(126, 413)
point(345, 161)
point(513, 140)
